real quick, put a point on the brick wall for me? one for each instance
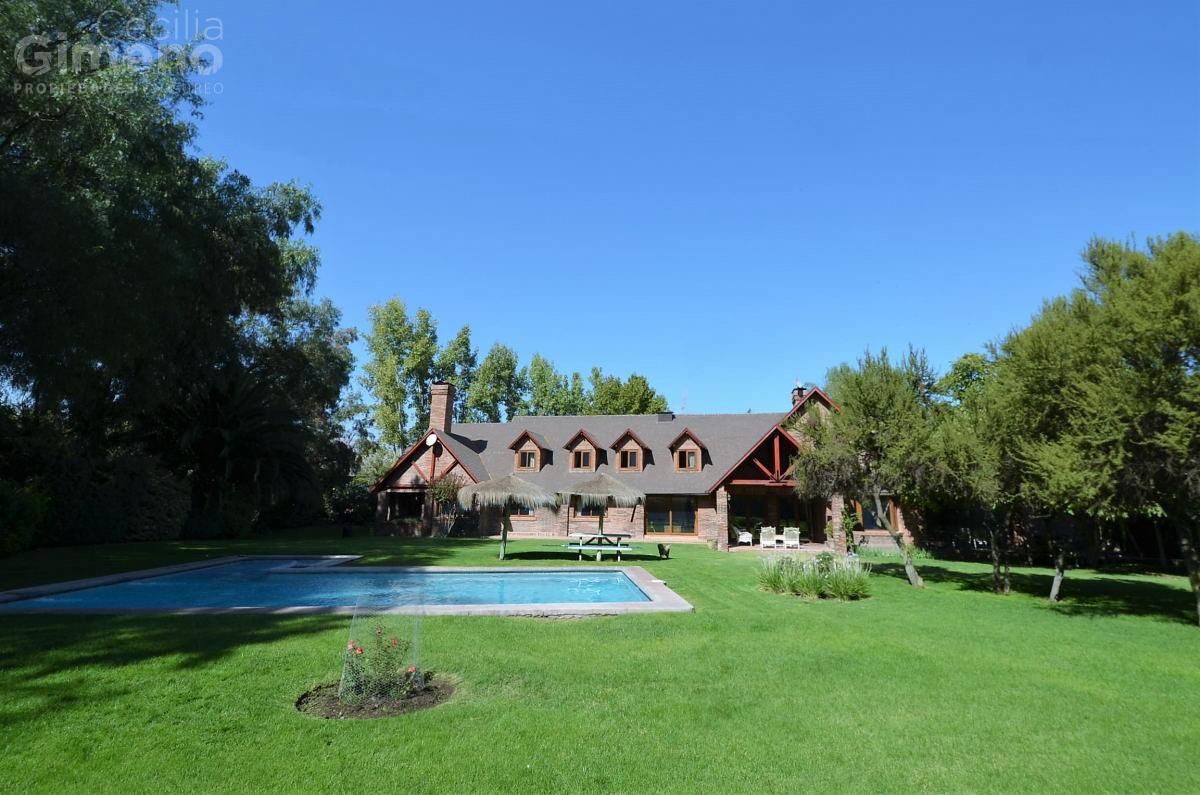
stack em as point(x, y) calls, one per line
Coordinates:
point(712, 521)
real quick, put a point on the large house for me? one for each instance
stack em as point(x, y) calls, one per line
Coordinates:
point(702, 474)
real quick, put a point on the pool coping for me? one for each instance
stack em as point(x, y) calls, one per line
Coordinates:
point(661, 598)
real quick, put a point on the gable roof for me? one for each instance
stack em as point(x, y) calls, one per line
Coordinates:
point(727, 438)
point(685, 433)
point(581, 432)
point(629, 434)
point(458, 447)
point(777, 429)
point(528, 434)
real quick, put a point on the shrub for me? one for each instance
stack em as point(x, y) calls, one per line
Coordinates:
point(848, 580)
point(379, 670)
point(352, 503)
point(128, 498)
point(22, 509)
point(825, 576)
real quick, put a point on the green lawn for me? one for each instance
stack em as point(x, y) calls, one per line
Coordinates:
point(945, 689)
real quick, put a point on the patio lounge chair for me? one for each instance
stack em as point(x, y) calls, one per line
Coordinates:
point(791, 538)
point(745, 537)
point(767, 537)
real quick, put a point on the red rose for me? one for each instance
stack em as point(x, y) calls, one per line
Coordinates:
point(412, 670)
point(359, 650)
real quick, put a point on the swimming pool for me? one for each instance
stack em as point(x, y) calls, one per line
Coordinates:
point(261, 584)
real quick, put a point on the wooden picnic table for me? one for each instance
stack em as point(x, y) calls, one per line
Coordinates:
point(600, 542)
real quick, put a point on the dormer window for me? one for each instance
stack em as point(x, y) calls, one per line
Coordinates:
point(688, 452)
point(584, 452)
point(632, 452)
point(528, 450)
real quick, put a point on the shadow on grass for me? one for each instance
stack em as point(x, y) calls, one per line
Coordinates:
point(564, 556)
point(1081, 596)
point(50, 663)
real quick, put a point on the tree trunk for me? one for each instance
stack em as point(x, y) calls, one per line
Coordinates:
point(998, 540)
point(994, 548)
point(1191, 557)
point(914, 579)
point(1060, 569)
point(505, 526)
point(1162, 549)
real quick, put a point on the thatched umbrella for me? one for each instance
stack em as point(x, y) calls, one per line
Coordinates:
point(603, 490)
point(504, 493)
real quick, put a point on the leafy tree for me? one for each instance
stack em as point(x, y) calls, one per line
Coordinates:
point(498, 383)
point(247, 449)
point(388, 343)
point(1130, 441)
point(878, 444)
point(419, 367)
point(550, 392)
point(972, 450)
point(131, 270)
point(610, 395)
point(456, 364)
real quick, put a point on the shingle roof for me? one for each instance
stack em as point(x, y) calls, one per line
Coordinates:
point(727, 437)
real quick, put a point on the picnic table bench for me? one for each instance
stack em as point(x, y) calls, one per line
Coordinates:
point(599, 543)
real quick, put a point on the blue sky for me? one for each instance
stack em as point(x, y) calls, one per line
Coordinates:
point(724, 197)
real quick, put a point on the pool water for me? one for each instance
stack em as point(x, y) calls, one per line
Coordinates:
point(260, 584)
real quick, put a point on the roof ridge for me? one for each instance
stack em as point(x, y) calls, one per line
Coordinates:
point(518, 419)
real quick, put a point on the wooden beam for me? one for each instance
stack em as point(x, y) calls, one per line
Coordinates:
point(449, 469)
point(764, 469)
point(420, 471)
point(778, 462)
point(788, 483)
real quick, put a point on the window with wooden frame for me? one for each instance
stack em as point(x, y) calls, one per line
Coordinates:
point(581, 460)
point(588, 512)
point(687, 461)
point(629, 460)
point(527, 460)
point(521, 512)
point(671, 515)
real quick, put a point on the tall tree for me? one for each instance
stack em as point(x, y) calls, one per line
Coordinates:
point(388, 343)
point(550, 393)
point(498, 386)
point(419, 367)
point(134, 273)
point(878, 444)
point(1131, 406)
point(456, 364)
point(972, 448)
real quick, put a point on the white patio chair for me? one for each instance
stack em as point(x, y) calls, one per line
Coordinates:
point(791, 538)
point(767, 537)
point(745, 537)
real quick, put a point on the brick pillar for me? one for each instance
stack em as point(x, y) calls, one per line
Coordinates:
point(835, 531)
point(722, 519)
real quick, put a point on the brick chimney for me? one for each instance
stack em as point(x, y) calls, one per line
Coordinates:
point(441, 407)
